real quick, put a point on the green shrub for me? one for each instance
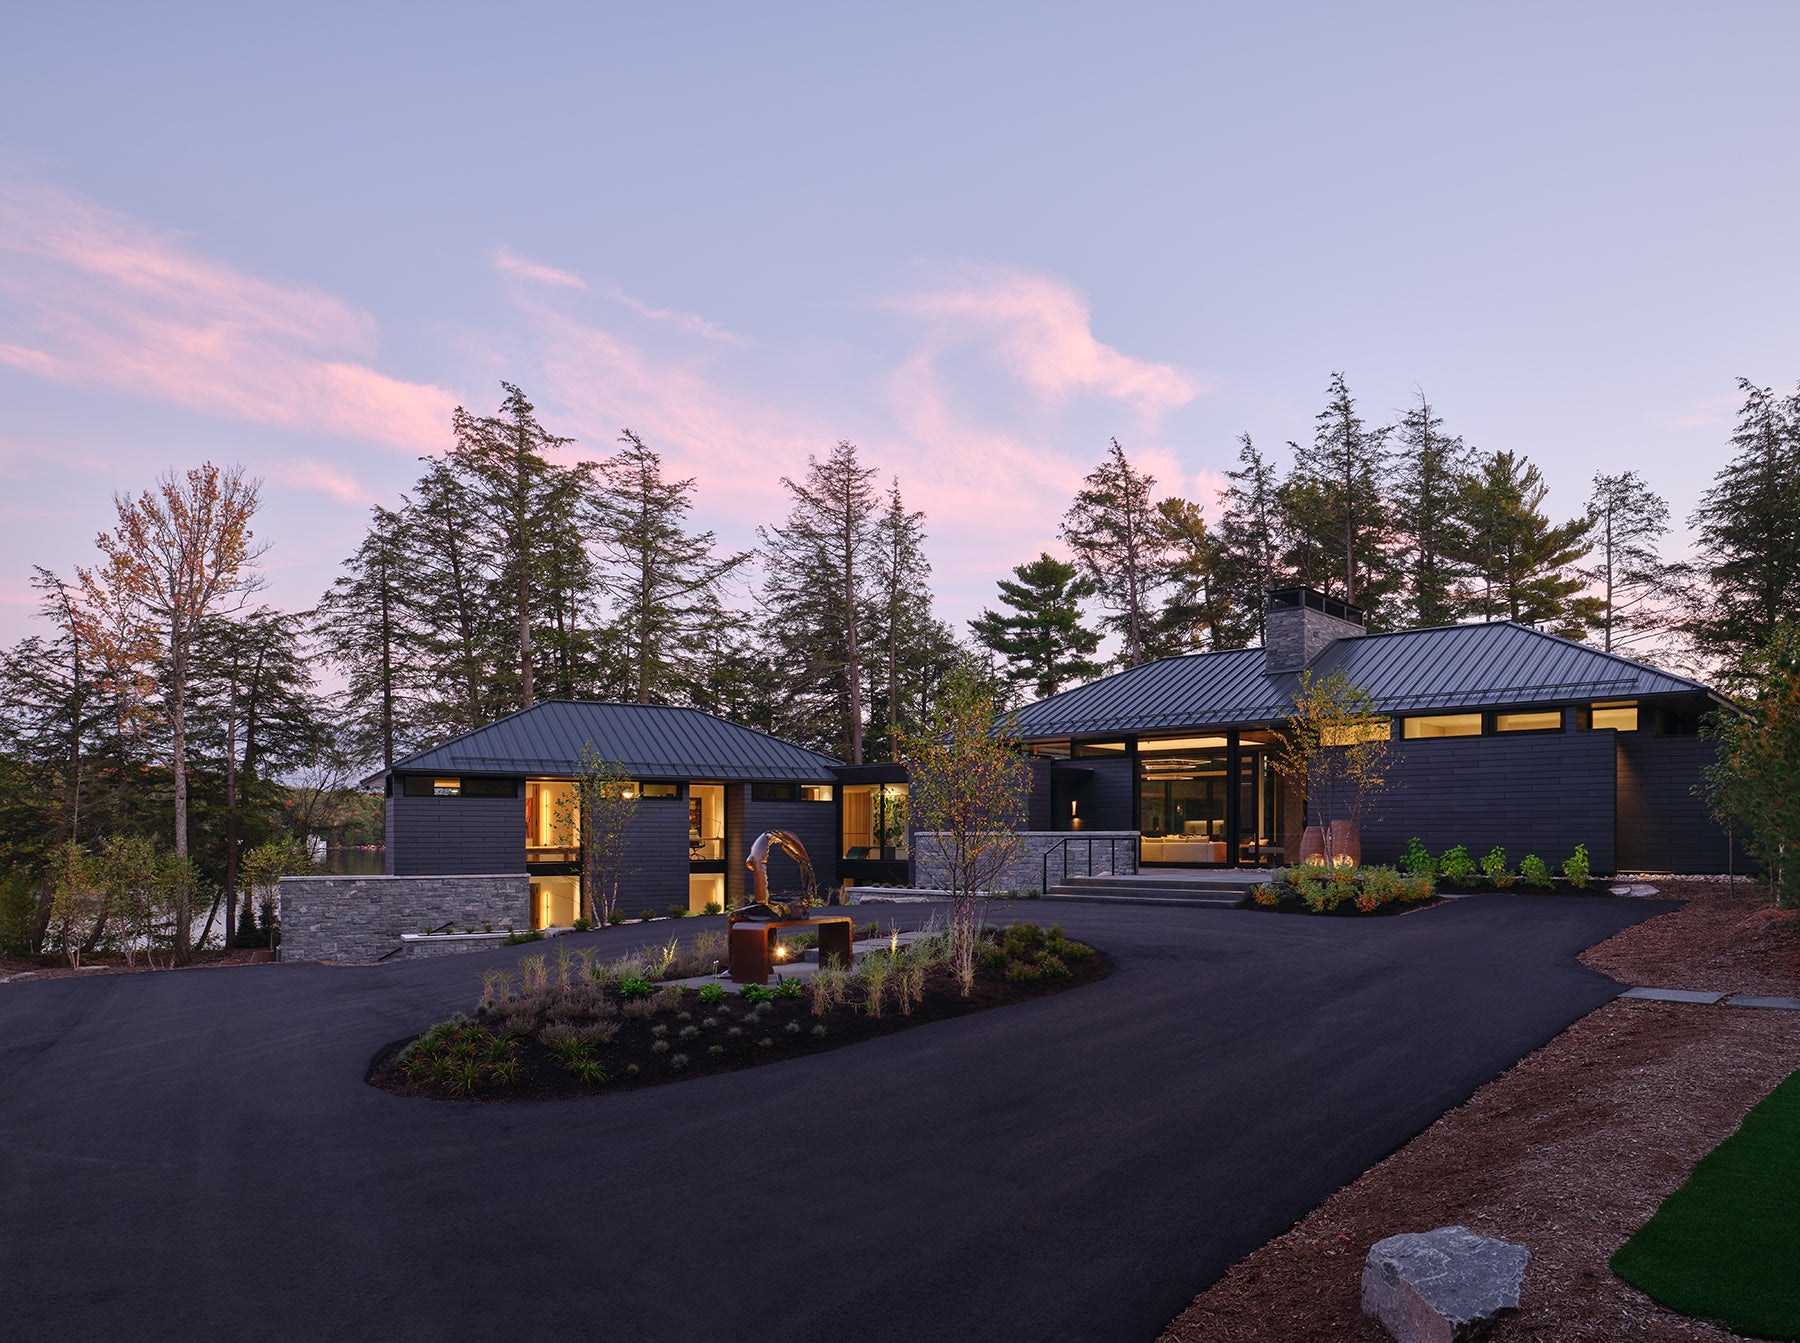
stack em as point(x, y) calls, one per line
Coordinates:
point(790, 988)
point(581, 925)
point(1576, 868)
point(756, 994)
point(635, 986)
point(1536, 872)
point(1494, 867)
point(714, 907)
point(1418, 887)
point(1308, 883)
point(1024, 972)
point(1457, 866)
point(615, 916)
point(529, 935)
point(1380, 886)
point(1418, 859)
point(711, 994)
point(679, 911)
point(18, 916)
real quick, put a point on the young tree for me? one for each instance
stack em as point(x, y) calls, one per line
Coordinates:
point(1633, 582)
point(1427, 494)
point(1335, 749)
point(665, 582)
point(968, 785)
point(180, 557)
point(1522, 563)
point(364, 625)
point(604, 800)
point(1250, 542)
point(1343, 475)
point(264, 867)
point(1754, 785)
point(1749, 528)
point(818, 573)
point(78, 907)
point(1112, 529)
point(1041, 636)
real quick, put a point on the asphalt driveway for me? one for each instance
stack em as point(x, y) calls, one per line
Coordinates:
point(196, 1156)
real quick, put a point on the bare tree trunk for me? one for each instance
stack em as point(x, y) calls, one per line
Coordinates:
point(184, 933)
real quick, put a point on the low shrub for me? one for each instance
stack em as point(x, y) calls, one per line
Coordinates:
point(581, 925)
point(711, 994)
point(614, 916)
point(1457, 866)
point(645, 915)
point(1495, 869)
point(1536, 872)
point(1418, 859)
point(714, 907)
point(514, 939)
point(790, 988)
point(679, 911)
point(1576, 868)
point(756, 994)
point(635, 986)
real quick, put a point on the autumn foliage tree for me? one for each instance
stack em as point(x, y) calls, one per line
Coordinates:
point(180, 556)
point(1334, 749)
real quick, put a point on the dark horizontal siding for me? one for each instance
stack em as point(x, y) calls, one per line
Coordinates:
point(446, 836)
point(656, 866)
point(1663, 825)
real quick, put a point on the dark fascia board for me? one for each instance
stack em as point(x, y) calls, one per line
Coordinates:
point(888, 772)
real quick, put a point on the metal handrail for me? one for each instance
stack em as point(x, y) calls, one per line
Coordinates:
point(1062, 847)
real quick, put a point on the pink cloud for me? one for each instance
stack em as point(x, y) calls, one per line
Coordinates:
point(1042, 331)
point(306, 474)
point(691, 322)
point(96, 298)
point(509, 262)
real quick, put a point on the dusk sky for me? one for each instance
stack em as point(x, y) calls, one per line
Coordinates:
point(976, 239)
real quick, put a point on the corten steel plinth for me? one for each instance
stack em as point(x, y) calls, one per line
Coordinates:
point(751, 949)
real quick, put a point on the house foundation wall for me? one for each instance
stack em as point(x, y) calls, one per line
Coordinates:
point(1087, 853)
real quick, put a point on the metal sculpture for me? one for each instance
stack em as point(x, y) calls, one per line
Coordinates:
point(758, 862)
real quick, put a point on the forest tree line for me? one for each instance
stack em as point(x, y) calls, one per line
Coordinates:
point(162, 699)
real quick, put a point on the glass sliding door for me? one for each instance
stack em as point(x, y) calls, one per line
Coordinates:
point(1261, 836)
point(1183, 787)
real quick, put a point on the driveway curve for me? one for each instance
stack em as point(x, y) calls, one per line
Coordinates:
point(196, 1155)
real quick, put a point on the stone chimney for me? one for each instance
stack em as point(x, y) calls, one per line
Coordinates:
point(1301, 623)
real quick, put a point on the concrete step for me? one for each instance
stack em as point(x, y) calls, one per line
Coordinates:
point(1164, 881)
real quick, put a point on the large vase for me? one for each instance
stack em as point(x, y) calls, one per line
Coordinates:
point(1346, 844)
point(1312, 845)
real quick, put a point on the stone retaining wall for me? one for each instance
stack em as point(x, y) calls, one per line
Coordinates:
point(1025, 872)
point(356, 920)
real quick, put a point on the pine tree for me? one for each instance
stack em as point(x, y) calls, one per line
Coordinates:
point(570, 645)
point(816, 591)
point(462, 636)
point(1196, 614)
point(902, 628)
point(504, 462)
point(1111, 527)
point(664, 581)
point(1341, 504)
point(1041, 637)
point(1250, 542)
point(1632, 581)
point(1749, 529)
point(1523, 564)
point(1426, 501)
point(365, 627)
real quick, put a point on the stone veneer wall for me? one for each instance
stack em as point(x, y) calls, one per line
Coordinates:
point(1026, 872)
point(357, 920)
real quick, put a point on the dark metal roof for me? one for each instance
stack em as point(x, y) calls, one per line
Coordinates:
point(651, 741)
point(1444, 668)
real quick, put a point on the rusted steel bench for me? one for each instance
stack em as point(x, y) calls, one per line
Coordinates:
point(751, 949)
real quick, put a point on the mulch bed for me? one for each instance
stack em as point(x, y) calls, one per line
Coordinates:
point(1567, 1154)
point(631, 1059)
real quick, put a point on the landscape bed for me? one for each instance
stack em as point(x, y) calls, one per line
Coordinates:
point(574, 1028)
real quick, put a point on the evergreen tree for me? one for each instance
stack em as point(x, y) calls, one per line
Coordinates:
point(1250, 544)
point(1340, 505)
point(1041, 637)
point(1112, 529)
point(1749, 529)
point(818, 575)
point(1632, 582)
point(503, 462)
point(572, 649)
point(1196, 614)
point(902, 629)
point(364, 625)
point(462, 636)
point(1426, 501)
point(1523, 564)
point(663, 580)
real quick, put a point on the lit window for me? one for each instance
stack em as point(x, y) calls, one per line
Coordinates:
point(446, 787)
point(1443, 725)
point(659, 790)
point(875, 822)
point(815, 792)
point(1147, 745)
point(1376, 729)
point(1091, 748)
point(1622, 717)
point(1546, 720)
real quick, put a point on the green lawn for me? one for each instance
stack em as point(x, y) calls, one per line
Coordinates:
point(1726, 1245)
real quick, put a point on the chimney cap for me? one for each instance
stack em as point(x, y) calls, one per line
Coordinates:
point(1288, 599)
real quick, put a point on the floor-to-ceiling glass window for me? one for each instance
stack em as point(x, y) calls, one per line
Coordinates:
point(552, 852)
point(1261, 834)
point(1183, 787)
point(875, 822)
point(706, 846)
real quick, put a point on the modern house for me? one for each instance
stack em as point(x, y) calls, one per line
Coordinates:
point(499, 800)
point(1503, 735)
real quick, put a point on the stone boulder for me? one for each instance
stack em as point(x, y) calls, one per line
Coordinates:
point(1443, 1286)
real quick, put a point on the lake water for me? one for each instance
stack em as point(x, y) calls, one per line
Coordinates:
point(353, 862)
